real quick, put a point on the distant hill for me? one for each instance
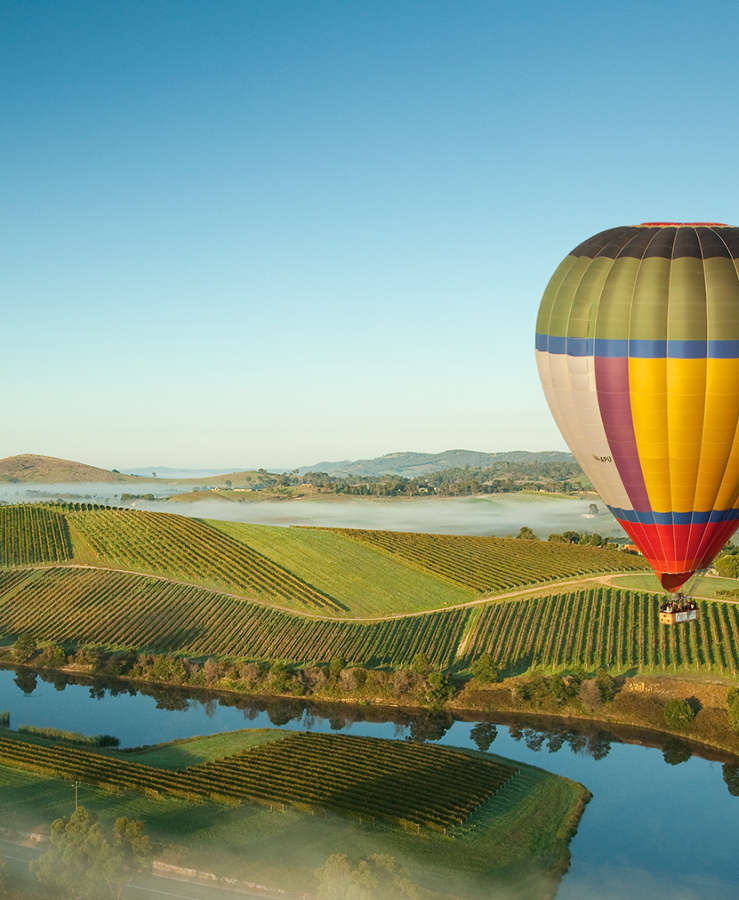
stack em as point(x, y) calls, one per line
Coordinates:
point(31, 467)
point(411, 465)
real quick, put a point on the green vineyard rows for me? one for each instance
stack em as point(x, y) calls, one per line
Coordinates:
point(31, 535)
point(404, 783)
point(589, 628)
point(490, 564)
point(172, 545)
point(121, 609)
point(605, 627)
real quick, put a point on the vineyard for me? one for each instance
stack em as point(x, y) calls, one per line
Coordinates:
point(337, 572)
point(589, 628)
point(178, 547)
point(121, 609)
point(363, 578)
point(400, 782)
point(604, 627)
point(32, 534)
point(489, 564)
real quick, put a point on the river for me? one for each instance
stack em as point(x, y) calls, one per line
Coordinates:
point(652, 830)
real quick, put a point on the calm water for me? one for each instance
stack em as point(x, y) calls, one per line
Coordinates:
point(497, 514)
point(652, 830)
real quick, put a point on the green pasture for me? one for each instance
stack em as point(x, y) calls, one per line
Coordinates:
point(699, 586)
point(364, 579)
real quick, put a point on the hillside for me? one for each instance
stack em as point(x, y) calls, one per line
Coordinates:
point(337, 572)
point(411, 465)
point(32, 467)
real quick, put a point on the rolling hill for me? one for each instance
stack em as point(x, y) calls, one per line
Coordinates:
point(411, 465)
point(32, 467)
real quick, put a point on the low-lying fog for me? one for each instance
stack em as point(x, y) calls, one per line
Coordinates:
point(498, 514)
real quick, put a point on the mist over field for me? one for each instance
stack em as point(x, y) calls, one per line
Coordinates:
point(493, 514)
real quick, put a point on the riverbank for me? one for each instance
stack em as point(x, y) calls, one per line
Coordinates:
point(639, 703)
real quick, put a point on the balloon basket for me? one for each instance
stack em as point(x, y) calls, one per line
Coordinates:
point(678, 610)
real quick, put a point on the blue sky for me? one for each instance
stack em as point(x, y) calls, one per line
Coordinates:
point(268, 233)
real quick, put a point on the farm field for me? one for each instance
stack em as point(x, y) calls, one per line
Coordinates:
point(519, 836)
point(124, 610)
point(590, 627)
point(617, 629)
point(491, 565)
point(404, 783)
point(361, 579)
point(336, 572)
point(708, 586)
point(32, 534)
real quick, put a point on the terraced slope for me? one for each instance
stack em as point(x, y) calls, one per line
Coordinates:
point(187, 549)
point(356, 574)
point(403, 783)
point(33, 534)
point(489, 564)
point(121, 609)
point(605, 627)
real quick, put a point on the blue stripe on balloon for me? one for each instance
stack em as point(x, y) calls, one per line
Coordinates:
point(699, 517)
point(612, 347)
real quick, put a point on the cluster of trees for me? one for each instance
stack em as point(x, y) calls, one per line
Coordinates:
point(376, 876)
point(584, 538)
point(539, 690)
point(418, 683)
point(501, 477)
point(88, 860)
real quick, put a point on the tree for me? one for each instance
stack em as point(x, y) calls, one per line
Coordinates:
point(420, 664)
point(606, 685)
point(24, 647)
point(526, 534)
point(678, 713)
point(374, 877)
point(483, 734)
point(484, 669)
point(85, 860)
point(335, 665)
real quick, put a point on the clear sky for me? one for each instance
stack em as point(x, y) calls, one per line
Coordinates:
point(269, 233)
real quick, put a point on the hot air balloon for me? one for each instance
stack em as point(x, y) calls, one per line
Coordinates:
point(637, 343)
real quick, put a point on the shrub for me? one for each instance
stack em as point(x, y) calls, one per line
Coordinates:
point(678, 713)
point(606, 685)
point(484, 669)
point(5, 719)
point(24, 647)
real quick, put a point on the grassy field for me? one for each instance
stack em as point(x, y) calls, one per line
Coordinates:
point(708, 586)
point(354, 573)
point(344, 573)
point(490, 565)
point(518, 838)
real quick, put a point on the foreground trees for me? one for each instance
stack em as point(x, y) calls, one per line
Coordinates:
point(86, 860)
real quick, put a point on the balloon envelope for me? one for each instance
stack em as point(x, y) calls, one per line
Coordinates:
point(637, 343)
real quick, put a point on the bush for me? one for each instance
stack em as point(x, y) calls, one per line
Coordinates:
point(606, 685)
point(71, 737)
point(5, 719)
point(678, 714)
point(24, 647)
point(484, 669)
